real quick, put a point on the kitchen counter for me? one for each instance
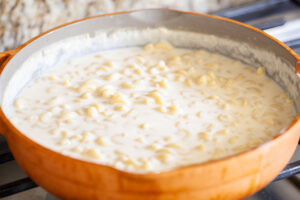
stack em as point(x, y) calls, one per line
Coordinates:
point(21, 20)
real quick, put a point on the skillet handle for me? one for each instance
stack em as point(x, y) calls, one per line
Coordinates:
point(298, 66)
point(3, 129)
point(4, 56)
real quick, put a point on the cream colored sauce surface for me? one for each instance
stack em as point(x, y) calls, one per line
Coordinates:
point(152, 108)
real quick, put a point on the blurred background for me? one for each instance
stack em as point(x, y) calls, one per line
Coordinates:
point(21, 20)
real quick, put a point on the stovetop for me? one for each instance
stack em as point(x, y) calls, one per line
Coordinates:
point(280, 18)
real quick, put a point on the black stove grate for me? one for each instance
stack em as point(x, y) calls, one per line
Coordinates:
point(6, 157)
point(261, 10)
point(16, 187)
point(248, 14)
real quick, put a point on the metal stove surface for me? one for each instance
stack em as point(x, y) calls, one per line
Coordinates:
point(280, 18)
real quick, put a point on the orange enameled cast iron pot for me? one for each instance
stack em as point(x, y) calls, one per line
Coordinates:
point(233, 177)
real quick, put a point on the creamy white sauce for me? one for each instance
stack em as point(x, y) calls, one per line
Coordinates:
point(152, 109)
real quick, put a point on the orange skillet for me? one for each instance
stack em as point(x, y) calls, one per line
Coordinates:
point(233, 177)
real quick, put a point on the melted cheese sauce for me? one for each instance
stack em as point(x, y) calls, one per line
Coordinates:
point(153, 108)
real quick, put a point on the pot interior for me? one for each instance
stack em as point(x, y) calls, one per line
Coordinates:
point(141, 27)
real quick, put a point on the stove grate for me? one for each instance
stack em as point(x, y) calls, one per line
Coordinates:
point(16, 187)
